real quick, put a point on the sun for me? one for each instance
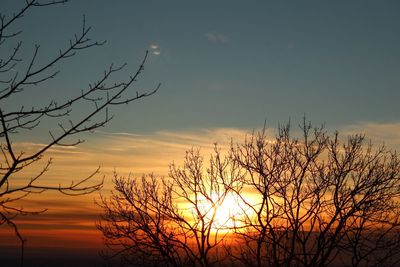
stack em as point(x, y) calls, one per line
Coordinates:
point(224, 212)
point(229, 212)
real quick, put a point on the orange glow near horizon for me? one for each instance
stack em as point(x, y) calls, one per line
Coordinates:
point(138, 154)
point(68, 219)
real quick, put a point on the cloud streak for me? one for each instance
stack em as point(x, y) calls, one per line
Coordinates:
point(378, 133)
point(217, 38)
point(155, 49)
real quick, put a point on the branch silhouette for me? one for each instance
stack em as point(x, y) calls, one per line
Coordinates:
point(14, 82)
point(308, 201)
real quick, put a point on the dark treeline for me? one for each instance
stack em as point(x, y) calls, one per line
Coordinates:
point(315, 201)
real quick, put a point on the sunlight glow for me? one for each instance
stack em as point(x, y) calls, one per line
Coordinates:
point(226, 212)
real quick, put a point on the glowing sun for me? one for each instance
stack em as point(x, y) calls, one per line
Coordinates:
point(226, 212)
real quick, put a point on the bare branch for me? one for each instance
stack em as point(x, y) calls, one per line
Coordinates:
point(97, 98)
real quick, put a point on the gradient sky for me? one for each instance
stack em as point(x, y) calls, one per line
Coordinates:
point(230, 64)
point(225, 68)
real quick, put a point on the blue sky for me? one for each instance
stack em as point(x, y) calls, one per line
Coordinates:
point(233, 63)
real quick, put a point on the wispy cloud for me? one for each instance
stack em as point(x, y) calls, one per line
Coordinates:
point(154, 46)
point(378, 133)
point(155, 49)
point(152, 153)
point(217, 38)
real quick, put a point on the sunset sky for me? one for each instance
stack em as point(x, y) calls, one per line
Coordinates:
point(225, 68)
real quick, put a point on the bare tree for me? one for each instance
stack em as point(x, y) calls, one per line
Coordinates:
point(309, 201)
point(170, 221)
point(319, 202)
point(14, 120)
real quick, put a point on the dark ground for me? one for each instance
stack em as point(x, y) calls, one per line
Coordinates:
point(52, 257)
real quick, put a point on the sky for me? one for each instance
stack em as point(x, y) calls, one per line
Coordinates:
point(226, 67)
point(230, 64)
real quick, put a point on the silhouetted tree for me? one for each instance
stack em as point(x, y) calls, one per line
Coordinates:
point(170, 221)
point(310, 201)
point(18, 75)
point(318, 202)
